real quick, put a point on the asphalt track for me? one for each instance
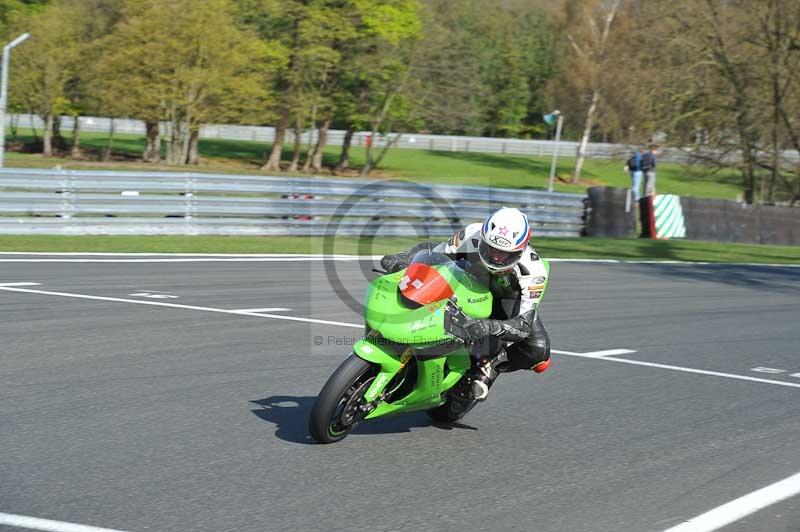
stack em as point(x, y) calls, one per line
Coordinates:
point(141, 417)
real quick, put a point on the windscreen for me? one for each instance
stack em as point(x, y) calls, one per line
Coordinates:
point(429, 278)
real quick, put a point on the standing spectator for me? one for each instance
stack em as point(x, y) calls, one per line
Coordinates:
point(649, 168)
point(634, 166)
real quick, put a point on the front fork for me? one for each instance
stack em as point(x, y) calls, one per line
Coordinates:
point(431, 384)
point(390, 364)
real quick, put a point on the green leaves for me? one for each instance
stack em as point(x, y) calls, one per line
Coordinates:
point(391, 20)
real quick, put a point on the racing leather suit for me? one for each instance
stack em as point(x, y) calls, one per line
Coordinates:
point(516, 295)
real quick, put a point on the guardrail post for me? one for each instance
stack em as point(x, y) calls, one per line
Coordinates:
point(189, 201)
point(68, 198)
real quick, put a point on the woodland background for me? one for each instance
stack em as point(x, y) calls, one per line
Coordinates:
point(716, 76)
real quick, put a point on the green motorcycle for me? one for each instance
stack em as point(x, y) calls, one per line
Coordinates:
point(411, 357)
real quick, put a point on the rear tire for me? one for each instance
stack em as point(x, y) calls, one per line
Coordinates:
point(351, 377)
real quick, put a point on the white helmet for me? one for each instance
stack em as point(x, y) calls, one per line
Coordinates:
point(504, 236)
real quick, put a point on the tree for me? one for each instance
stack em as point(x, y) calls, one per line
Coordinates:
point(711, 82)
point(12, 12)
point(184, 62)
point(46, 67)
point(277, 22)
point(776, 36)
point(587, 25)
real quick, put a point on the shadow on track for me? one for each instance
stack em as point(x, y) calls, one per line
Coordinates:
point(289, 414)
point(748, 276)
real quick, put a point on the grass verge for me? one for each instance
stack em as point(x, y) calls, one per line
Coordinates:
point(590, 248)
point(245, 157)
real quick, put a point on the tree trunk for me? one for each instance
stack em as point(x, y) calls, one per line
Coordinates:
point(368, 164)
point(186, 141)
point(175, 143)
point(383, 152)
point(298, 144)
point(75, 152)
point(316, 164)
point(310, 150)
point(194, 146)
point(273, 164)
point(587, 131)
point(344, 158)
point(58, 140)
point(47, 136)
point(312, 145)
point(748, 178)
point(152, 154)
point(168, 143)
point(178, 145)
point(776, 161)
point(14, 126)
point(33, 129)
point(109, 143)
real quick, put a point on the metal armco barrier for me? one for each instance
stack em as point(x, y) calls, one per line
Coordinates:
point(71, 202)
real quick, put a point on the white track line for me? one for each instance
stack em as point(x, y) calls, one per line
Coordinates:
point(20, 284)
point(270, 309)
point(676, 262)
point(597, 355)
point(741, 507)
point(178, 305)
point(609, 352)
point(34, 523)
point(680, 368)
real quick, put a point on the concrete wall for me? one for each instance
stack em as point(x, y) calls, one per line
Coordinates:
point(729, 221)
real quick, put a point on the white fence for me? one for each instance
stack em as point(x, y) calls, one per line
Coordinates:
point(416, 141)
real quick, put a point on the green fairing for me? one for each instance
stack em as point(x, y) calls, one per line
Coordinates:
point(386, 313)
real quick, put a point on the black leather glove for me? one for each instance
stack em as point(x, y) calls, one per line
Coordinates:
point(468, 329)
point(398, 261)
point(393, 263)
point(455, 321)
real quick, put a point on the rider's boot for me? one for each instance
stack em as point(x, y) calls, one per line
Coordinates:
point(481, 378)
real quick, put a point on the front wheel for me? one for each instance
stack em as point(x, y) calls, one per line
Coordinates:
point(337, 409)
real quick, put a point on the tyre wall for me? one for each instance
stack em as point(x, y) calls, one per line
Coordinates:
point(704, 219)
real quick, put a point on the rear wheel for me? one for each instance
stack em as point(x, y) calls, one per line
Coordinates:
point(452, 410)
point(337, 409)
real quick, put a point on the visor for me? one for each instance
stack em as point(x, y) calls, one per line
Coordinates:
point(497, 257)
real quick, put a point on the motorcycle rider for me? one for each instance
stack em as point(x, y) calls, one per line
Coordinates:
point(500, 257)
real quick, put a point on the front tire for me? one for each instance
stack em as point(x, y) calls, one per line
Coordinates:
point(335, 411)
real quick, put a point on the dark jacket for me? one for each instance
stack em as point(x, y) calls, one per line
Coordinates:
point(648, 162)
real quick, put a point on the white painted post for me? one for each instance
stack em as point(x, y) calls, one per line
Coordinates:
point(4, 93)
